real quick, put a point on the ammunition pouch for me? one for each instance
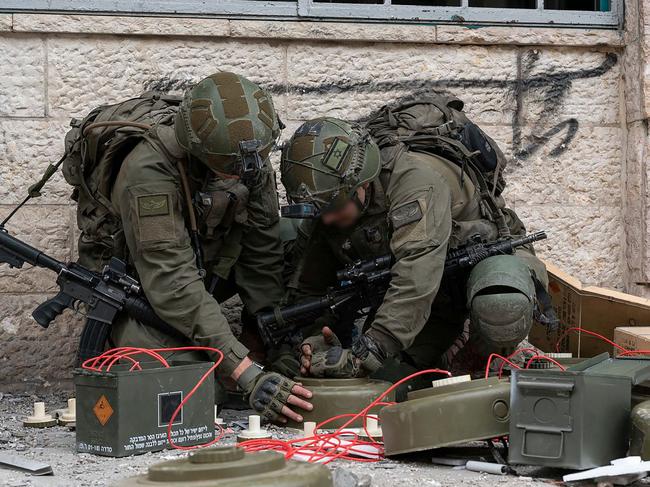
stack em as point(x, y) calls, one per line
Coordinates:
point(221, 205)
point(501, 301)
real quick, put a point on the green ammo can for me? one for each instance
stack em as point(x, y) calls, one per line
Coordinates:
point(454, 411)
point(122, 412)
point(576, 419)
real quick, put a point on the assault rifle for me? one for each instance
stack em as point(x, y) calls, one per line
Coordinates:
point(361, 287)
point(104, 294)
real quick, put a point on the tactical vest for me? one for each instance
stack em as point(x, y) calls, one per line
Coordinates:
point(370, 237)
point(225, 209)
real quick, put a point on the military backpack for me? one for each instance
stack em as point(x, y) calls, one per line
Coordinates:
point(95, 147)
point(437, 125)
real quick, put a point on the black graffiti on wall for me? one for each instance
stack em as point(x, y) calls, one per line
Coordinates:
point(533, 85)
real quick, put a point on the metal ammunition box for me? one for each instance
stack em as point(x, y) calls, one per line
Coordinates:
point(124, 412)
point(576, 419)
point(332, 397)
point(447, 415)
point(230, 466)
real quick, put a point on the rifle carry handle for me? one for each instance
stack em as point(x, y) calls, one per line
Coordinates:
point(47, 311)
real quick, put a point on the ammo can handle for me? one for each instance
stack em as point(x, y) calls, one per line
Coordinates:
point(545, 385)
point(523, 445)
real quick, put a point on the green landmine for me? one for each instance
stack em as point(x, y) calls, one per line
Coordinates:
point(40, 424)
point(232, 467)
point(333, 397)
point(451, 414)
point(39, 419)
point(640, 438)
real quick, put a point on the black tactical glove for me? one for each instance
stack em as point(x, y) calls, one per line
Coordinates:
point(364, 358)
point(269, 393)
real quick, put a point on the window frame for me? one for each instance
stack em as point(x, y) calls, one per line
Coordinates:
point(312, 10)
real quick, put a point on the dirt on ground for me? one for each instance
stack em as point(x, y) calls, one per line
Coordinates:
point(56, 447)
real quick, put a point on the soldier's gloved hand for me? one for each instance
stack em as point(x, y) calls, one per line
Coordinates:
point(316, 344)
point(283, 360)
point(270, 394)
point(364, 358)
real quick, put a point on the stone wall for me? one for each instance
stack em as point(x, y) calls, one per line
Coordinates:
point(566, 105)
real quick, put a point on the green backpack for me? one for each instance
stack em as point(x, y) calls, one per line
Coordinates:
point(94, 150)
point(437, 125)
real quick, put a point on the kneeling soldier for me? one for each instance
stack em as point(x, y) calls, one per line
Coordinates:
point(419, 180)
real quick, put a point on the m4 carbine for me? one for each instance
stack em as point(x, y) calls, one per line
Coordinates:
point(361, 287)
point(104, 294)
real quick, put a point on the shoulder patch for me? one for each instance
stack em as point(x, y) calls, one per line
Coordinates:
point(407, 213)
point(153, 205)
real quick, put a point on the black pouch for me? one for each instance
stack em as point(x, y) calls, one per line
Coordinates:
point(475, 140)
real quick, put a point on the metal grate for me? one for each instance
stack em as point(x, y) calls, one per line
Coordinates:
point(571, 13)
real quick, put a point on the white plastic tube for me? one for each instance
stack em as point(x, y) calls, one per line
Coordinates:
point(486, 467)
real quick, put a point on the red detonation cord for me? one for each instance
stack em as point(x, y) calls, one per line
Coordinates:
point(587, 332)
point(327, 447)
point(105, 361)
point(505, 360)
point(321, 447)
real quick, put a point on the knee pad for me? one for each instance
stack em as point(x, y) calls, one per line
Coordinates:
point(501, 301)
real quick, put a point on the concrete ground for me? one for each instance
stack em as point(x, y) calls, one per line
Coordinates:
point(55, 446)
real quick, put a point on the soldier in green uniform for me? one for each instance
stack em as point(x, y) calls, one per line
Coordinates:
point(197, 202)
point(418, 180)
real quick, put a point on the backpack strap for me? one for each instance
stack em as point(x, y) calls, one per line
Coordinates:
point(455, 151)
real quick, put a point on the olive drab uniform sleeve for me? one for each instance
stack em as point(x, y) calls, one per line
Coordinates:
point(148, 198)
point(258, 271)
point(420, 216)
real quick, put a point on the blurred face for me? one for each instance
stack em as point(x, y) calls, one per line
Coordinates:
point(347, 215)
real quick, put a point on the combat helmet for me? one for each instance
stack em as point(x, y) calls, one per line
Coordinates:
point(325, 161)
point(227, 122)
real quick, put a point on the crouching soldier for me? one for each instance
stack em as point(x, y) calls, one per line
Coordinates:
point(184, 193)
point(419, 180)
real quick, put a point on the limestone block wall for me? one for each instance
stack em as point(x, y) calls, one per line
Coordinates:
point(557, 100)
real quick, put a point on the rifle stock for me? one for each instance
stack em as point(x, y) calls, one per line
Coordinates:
point(105, 294)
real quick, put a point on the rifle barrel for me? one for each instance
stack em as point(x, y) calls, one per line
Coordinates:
point(28, 253)
point(533, 237)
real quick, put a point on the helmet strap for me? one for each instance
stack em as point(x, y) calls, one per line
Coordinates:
point(362, 206)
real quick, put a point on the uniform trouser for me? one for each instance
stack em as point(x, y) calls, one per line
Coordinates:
point(447, 324)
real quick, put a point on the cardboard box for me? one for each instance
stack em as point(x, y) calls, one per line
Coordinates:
point(592, 308)
point(633, 337)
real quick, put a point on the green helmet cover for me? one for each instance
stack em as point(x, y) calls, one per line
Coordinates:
point(220, 112)
point(501, 299)
point(326, 160)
